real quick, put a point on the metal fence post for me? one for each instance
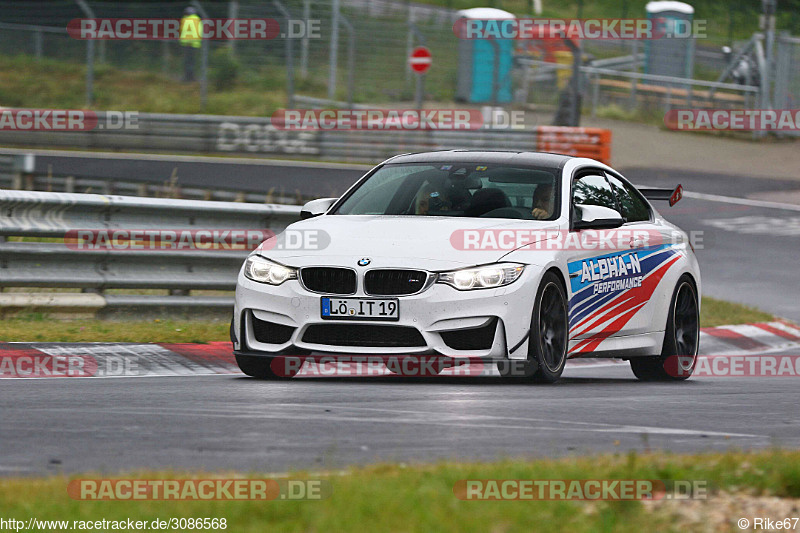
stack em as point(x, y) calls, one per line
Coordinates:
point(304, 42)
point(351, 59)
point(412, 30)
point(37, 43)
point(289, 54)
point(89, 55)
point(233, 12)
point(165, 58)
point(203, 59)
point(334, 49)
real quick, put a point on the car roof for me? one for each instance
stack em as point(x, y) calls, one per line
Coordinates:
point(541, 159)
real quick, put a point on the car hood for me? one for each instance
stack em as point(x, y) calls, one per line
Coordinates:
point(389, 241)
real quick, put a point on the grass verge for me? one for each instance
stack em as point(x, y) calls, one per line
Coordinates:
point(396, 497)
point(715, 312)
point(38, 327)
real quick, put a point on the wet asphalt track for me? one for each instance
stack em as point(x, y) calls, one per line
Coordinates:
point(231, 422)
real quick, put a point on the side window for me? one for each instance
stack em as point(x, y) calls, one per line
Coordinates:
point(634, 209)
point(593, 189)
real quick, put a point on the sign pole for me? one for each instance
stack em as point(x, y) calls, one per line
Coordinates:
point(420, 90)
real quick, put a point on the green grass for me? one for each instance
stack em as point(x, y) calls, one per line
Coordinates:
point(25, 82)
point(715, 312)
point(391, 497)
point(38, 327)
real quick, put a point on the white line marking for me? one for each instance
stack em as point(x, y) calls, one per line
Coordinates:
point(429, 418)
point(741, 201)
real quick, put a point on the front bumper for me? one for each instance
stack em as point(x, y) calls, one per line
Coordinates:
point(437, 316)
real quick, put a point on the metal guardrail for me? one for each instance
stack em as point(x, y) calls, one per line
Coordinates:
point(18, 172)
point(54, 264)
point(257, 135)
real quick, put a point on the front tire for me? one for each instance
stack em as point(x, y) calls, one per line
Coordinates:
point(681, 339)
point(547, 345)
point(261, 367)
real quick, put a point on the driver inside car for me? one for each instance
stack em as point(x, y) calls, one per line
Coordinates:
point(543, 201)
point(430, 199)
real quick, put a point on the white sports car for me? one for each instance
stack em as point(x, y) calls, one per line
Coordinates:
point(503, 256)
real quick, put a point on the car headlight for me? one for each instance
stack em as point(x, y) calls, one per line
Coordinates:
point(483, 277)
point(262, 270)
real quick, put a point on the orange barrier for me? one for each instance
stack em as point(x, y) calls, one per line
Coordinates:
point(582, 142)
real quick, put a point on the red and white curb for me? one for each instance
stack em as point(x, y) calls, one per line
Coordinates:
point(108, 359)
point(52, 359)
point(750, 338)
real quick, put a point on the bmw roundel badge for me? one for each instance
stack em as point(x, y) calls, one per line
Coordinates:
point(364, 261)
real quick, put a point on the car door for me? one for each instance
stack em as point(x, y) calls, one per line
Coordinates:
point(604, 272)
point(652, 248)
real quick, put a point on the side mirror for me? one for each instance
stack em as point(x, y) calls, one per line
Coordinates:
point(597, 217)
point(315, 208)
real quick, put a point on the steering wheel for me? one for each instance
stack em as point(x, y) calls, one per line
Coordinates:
point(503, 212)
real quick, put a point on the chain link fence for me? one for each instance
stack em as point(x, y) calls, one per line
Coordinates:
point(358, 55)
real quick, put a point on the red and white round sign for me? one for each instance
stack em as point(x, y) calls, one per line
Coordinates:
point(420, 59)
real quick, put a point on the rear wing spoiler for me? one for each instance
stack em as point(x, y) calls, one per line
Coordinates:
point(673, 195)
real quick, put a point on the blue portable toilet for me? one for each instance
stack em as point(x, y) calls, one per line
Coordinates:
point(484, 65)
point(671, 56)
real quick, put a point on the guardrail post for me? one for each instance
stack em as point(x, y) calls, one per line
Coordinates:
point(23, 167)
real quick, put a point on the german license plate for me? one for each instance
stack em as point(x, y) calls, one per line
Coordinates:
point(360, 308)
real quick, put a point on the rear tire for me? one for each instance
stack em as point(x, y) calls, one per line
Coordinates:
point(681, 339)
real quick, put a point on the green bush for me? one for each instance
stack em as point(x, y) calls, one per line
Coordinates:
point(224, 69)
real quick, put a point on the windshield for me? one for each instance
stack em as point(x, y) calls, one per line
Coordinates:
point(457, 190)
